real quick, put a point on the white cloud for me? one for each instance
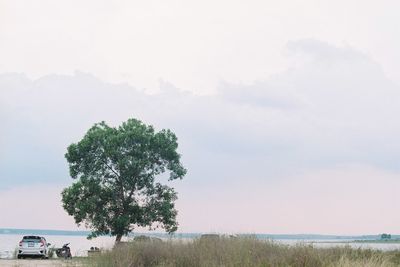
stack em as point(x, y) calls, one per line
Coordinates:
point(334, 107)
point(192, 44)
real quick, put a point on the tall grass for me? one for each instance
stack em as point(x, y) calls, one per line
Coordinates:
point(240, 252)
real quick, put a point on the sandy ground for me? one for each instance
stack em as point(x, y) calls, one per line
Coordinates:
point(39, 263)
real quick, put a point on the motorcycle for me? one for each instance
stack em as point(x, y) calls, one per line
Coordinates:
point(64, 252)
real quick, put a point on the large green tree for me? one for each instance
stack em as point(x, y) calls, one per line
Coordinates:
point(116, 172)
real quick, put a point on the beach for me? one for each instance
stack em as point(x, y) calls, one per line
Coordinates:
point(38, 263)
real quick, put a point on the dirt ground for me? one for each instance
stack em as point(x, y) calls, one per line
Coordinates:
point(39, 263)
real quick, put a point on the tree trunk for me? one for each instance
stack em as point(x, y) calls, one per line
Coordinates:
point(118, 238)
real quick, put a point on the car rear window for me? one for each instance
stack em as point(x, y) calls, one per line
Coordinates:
point(35, 239)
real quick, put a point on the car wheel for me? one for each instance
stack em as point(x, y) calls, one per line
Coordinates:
point(19, 257)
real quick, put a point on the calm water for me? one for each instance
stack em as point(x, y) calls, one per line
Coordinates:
point(333, 243)
point(79, 244)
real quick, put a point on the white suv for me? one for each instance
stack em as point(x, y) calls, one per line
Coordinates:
point(33, 246)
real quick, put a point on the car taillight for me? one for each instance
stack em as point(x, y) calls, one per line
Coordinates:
point(20, 243)
point(41, 243)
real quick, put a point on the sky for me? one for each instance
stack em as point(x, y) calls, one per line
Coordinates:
point(285, 111)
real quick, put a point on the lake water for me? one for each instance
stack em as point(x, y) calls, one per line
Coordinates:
point(80, 245)
point(342, 243)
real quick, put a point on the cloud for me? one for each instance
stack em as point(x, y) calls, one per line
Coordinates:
point(332, 109)
point(335, 101)
point(34, 207)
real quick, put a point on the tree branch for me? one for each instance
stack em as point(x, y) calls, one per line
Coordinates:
point(111, 169)
point(118, 176)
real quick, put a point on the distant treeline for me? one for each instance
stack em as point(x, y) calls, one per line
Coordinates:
point(10, 231)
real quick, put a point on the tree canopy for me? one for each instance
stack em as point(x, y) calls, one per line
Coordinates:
point(115, 171)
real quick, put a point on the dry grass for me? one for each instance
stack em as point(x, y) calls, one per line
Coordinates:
point(240, 252)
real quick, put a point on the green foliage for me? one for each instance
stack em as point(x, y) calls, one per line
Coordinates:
point(386, 236)
point(115, 171)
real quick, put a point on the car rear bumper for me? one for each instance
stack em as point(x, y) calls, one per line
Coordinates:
point(31, 251)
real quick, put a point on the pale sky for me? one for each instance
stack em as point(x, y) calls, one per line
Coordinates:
point(285, 111)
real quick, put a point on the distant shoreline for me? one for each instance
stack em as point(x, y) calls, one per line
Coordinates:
point(10, 231)
point(323, 238)
point(366, 241)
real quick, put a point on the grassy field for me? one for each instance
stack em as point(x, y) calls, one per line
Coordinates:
point(238, 252)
